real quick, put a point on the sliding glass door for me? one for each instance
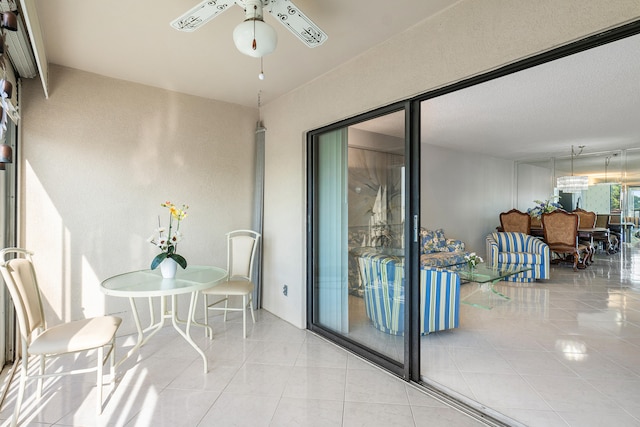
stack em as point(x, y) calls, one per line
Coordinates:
point(8, 226)
point(357, 237)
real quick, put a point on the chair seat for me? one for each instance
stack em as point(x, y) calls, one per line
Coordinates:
point(520, 258)
point(232, 287)
point(76, 336)
point(567, 248)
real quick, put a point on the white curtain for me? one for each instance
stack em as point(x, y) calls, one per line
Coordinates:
point(331, 250)
point(258, 212)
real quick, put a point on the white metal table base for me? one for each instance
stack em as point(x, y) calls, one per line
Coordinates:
point(154, 326)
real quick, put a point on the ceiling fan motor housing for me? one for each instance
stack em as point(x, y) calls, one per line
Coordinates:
point(253, 9)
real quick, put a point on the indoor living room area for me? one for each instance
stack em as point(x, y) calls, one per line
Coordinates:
point(553, 352)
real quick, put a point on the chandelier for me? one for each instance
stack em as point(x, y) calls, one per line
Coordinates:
point(573, 184)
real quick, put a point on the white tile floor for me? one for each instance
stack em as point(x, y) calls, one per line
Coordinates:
point(561, 353)
point(278, 376)
point(565, 352)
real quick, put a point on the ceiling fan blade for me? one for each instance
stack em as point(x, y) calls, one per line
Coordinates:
point(201, 14)
point(297, 22)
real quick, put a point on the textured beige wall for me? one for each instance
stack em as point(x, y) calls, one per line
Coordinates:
point(100, 155)
point(469, 38)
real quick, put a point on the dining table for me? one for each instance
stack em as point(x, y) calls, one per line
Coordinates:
point(150, 284)
point(586, 233)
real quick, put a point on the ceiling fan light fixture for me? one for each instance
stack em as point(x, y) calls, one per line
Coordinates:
point(255, 38)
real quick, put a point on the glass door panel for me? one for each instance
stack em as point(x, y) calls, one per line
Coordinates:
point(8, 221)
point(358, 234)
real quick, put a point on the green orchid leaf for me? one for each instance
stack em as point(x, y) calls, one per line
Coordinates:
point(179, 259)
point(158, 259)
point(167, 240)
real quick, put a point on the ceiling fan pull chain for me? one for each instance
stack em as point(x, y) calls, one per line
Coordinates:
point(254, 46)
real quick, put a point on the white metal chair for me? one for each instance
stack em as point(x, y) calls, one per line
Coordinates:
point(241, 250)
point(38, 340)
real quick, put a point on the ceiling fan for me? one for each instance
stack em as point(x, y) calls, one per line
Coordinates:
point(254, 37)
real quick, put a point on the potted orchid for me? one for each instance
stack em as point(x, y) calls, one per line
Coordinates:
point(472, 260)
point(544, 206)
point(167, 239)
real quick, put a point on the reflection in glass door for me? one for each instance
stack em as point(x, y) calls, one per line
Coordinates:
point(8, 191)
point(358, 248)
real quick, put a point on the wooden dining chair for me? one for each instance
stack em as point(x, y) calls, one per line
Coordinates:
point(607, 238)
point(241, 251)
point(561, 234)
point(515, 221)
point(41, 341)
point(587, 220)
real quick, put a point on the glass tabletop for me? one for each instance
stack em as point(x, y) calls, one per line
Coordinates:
point(483, 274)
point(145, 283)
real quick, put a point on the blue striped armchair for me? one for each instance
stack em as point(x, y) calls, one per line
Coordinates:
point(509, 249)
point(383, 280)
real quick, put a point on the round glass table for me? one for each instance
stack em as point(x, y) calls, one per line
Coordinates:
point(149, 284)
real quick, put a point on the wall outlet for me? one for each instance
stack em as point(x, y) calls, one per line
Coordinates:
point(285, 290)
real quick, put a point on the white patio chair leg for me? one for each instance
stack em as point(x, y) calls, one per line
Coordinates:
point(244, 316)
point(99, 381)
point(205, 297)
point(226, 304)
point(112, 365)
point(251, 308)
point(41, 372)
point(23, 381)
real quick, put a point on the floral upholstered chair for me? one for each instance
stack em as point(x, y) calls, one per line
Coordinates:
point(436, 250)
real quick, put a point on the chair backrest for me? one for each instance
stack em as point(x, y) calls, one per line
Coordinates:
point(602, 221)
point(560, 228)
point(587, 218)
point(20, 277)
point(615, 219)
point(536, 222)
point(516, 221)
point(514, 241)
point(241, 250)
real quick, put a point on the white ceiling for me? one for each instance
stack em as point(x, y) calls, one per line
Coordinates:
point(133, 41)
point(591, 98)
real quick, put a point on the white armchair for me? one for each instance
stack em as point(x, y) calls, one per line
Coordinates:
point(511, 248)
